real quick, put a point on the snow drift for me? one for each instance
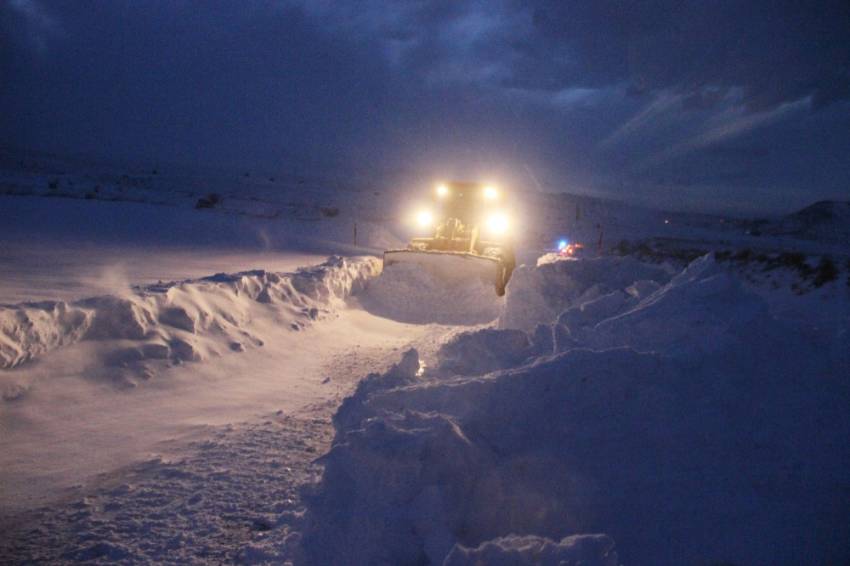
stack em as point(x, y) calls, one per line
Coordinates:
point(699, 428)
point(538, 294)
point(411, 293)
point(482, 351)
point(584, 550)
point(185, 320)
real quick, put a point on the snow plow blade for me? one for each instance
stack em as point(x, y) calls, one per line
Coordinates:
point(467, 237)
point(449, 265)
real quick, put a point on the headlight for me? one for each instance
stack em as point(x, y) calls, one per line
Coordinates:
point(497, 223)
point(442, 191)
point(424, 218)
point(490, 193)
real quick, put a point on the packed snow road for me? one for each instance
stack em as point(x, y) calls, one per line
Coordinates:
point(71, 420)
point(211, 455)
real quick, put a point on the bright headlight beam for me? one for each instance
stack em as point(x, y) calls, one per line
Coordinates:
point(442, 190)
point(424, 218)
point(490, 193)
point(497, 223)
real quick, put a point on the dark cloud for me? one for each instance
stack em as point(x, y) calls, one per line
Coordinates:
point(233, 81)
point(583, 95)
point(773, 51)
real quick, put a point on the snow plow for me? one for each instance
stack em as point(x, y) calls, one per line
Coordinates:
point(470, 236)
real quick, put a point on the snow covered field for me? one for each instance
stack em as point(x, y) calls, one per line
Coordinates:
point(185, 384)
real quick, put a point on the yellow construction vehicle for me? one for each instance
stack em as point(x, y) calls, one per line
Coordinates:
point(470, 235)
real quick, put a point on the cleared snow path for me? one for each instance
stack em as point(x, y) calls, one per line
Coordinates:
point(221, 492)
point(74, 417)
point(107, 456)
point(119, 443)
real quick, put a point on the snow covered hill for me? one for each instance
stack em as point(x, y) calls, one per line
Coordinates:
point(824, 221)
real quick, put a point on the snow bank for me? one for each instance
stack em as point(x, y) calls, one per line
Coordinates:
point(186, 320)
point(31, 329)
point(703, 310)
point(411, 293)
point(700, 429)
point(489, 349)
point(584, 550)
point(538, 294)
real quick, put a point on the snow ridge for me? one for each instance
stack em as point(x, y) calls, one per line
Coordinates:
point(683, 418)
point(184, 320)
point(538, 294)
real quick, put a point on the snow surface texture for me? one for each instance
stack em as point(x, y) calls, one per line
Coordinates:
point(216, 504)
point(230, 490)
point(579, 550)
point(486, 350)
point(700, 428)
point(412, 293)
point(538, 294)
point(181, 321)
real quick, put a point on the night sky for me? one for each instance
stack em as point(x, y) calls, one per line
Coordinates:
point(723, 105)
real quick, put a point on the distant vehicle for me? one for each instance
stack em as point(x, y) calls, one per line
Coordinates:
point(470, 235)
point(573, 249)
